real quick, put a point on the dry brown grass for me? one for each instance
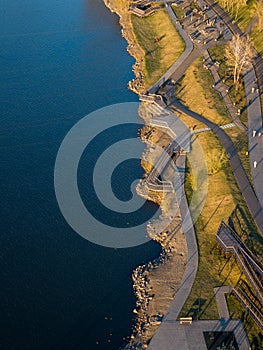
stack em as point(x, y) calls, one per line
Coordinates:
point(214, 268)
point(195, 90)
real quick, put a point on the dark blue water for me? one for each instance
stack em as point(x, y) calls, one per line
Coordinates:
point(59, 61)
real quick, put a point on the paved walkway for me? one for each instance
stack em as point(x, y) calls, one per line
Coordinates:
point(253, 89)
point(258, 60)
point(255, 138)
point(222, 89)
point(181, 59)
point(221, 301)
point(168, 335)
point(159, 340)
point(190, 337)
point(235, 163)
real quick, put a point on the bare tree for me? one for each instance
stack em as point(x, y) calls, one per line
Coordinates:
point(239, 55)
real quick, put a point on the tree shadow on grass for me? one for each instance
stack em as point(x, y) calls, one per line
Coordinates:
point(196, 308)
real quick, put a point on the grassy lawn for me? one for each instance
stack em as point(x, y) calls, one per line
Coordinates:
point(190, 122)
point(159, 56)
point(215, 267)
point(195, 91)
point(257, 37)
point(240, 142)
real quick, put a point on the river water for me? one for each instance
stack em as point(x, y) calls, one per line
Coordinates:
point(60, 60)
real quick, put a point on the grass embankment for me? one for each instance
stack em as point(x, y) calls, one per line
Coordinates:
point(240, 142)
point(161, 54)
point(200, 97)
point(215, 267)
point(257, 37)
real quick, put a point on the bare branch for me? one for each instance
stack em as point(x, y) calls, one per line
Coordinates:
point(239, 55)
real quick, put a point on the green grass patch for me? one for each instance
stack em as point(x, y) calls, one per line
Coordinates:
point(161, 54)
point(215, 267)
point(156, 5)
point(240, 142)
point(245, 16)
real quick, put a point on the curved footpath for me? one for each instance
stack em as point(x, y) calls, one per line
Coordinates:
point(255, 202)
point(253, 81)
point(236, 165)
point(161, 339)
point(177, 70)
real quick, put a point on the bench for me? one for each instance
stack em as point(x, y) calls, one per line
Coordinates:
point(185, 320)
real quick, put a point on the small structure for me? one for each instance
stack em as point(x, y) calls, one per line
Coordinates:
point(185, 320)
point(142, 8)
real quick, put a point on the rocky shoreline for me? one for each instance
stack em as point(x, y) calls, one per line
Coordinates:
point(156, 282)
point(121, 8)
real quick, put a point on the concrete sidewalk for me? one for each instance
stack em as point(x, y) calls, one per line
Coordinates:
point(222, 89)
point(253, 89)
point(236, 165)
point(255, 138)
point(191, 337)
point(221, 301)
point(160, 340)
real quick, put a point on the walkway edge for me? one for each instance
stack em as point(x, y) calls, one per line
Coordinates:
point(179, 61)
point(190, 271)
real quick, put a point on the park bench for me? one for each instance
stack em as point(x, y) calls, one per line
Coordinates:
point(185, 320)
